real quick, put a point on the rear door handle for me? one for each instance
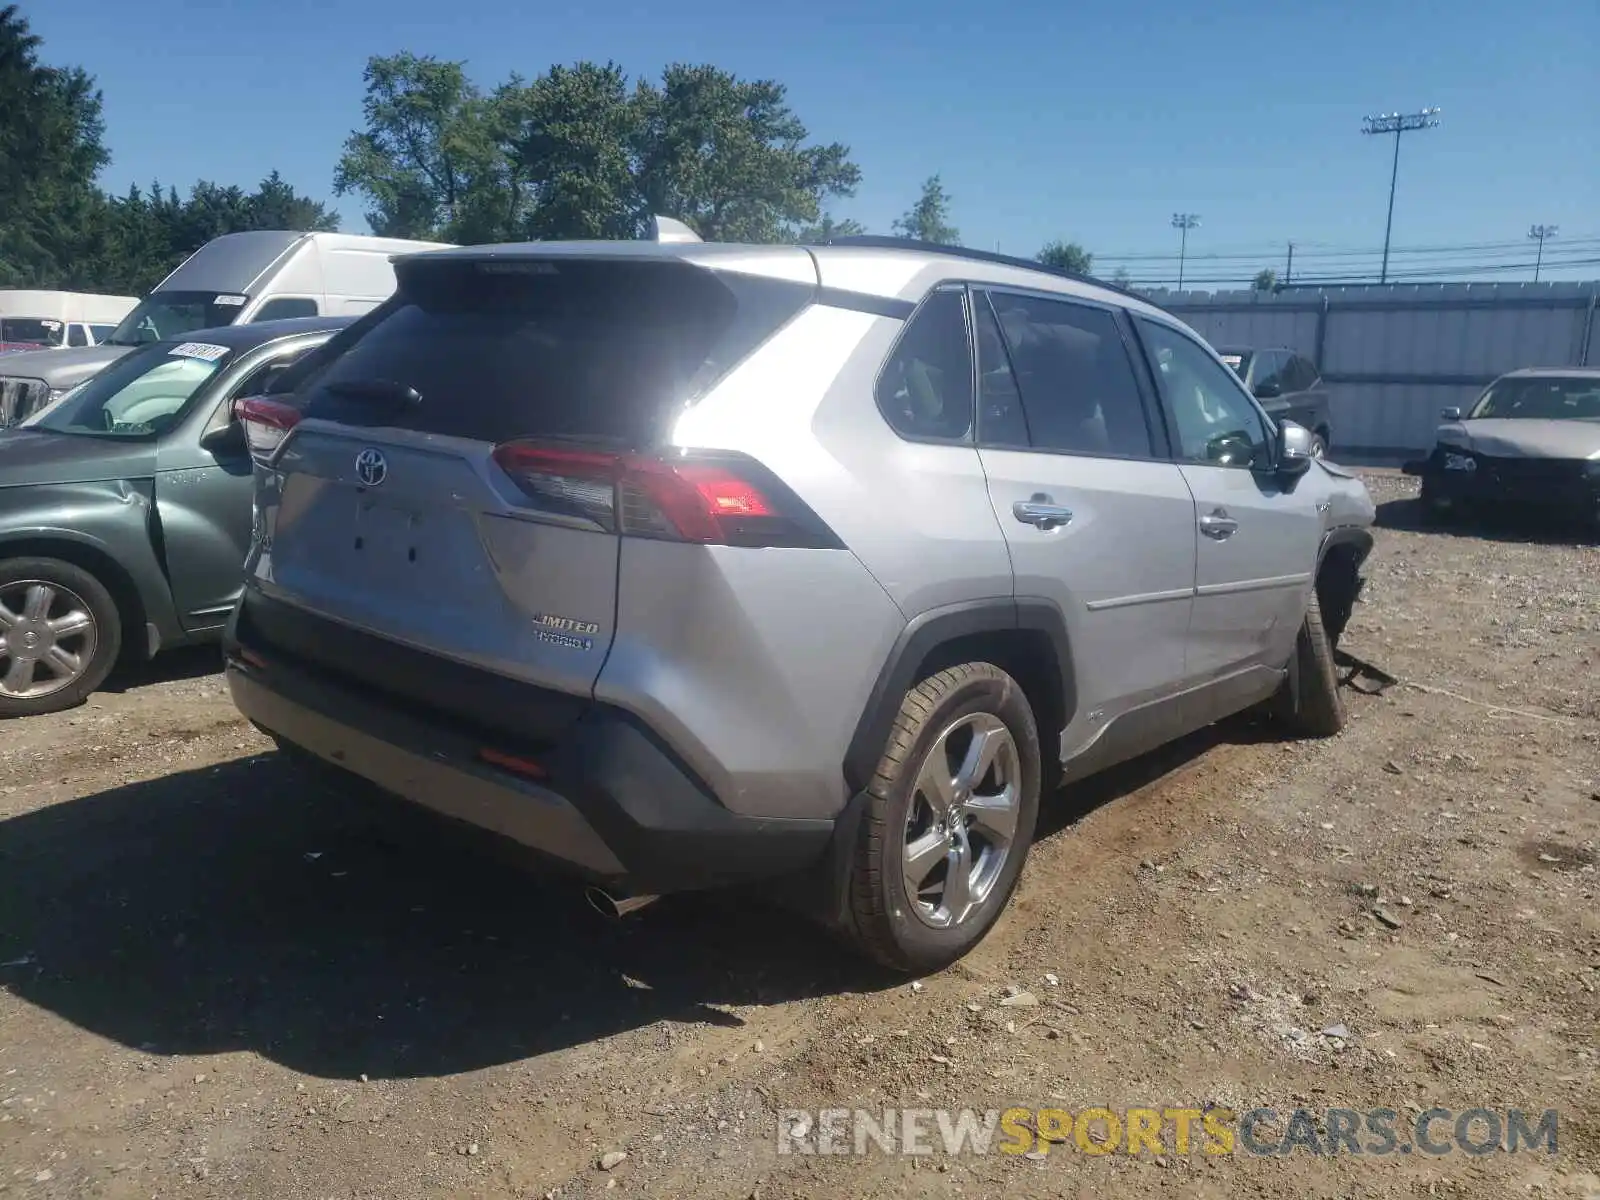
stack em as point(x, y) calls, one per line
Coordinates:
point(1218, 525)
point(1042, 512)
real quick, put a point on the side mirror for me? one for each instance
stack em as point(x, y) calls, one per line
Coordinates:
point(1294, 449)
point(1450, 414)
point(1269, 389)
point(225, 439)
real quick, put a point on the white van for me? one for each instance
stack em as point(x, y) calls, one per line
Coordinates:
point(268, 276)
point(234, 279)
point(35, 320)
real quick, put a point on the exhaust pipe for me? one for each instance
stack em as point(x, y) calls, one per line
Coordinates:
point(607, 905)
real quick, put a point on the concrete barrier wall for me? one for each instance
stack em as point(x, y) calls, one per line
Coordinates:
point(1392, 357)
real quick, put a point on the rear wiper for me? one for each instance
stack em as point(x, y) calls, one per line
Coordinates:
point(379, 391)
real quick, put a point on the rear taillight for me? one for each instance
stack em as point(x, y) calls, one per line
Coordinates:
point(266, 423)
point(717, 499)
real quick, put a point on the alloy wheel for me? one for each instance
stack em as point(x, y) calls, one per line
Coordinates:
point(47, 638)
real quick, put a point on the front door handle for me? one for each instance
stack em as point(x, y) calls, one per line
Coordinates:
point(1041, 511)
point(1218, 525)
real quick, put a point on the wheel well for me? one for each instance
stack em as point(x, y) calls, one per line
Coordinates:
point(135, 643)
point(1029, 657)
point(1338, 584)
point(1323, 432)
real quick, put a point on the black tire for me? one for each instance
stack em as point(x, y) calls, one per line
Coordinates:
point(1319, 444)
point(101, 641)
point(882, 922)
point(1312, 706)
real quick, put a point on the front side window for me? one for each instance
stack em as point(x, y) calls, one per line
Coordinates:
point(1549, 398)
point(284, 307)
point(1268, 373)
point(141, 395)
point(925, 391)
point(1216, 422)
point(1077, 383)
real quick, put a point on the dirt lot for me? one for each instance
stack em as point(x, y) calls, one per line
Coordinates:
point(218, 982)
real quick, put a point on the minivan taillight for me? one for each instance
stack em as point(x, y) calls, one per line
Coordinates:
point(716, 499)
point(266, 423)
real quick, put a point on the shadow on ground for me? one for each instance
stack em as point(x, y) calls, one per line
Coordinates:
point(243, 906)
point(187, 662)
point(1530, 528)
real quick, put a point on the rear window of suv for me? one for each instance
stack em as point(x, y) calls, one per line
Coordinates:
point(497, 349)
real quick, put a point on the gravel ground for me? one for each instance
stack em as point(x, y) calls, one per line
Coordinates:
point(218, 981)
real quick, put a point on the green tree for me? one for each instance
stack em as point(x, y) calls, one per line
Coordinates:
point(1266, 280)
point(730, 158)
point(427, 147)
point(1066, 256)
point(928, 220)
point(827, 229)
point(569, 141)
point(51, 147)
point(1121, 278)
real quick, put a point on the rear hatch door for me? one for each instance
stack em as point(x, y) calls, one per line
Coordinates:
point(393, 506)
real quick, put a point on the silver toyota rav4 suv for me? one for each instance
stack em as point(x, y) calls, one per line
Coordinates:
point(689, 565)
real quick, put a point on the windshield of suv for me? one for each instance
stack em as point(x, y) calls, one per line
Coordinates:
point(1549, 398)
point(141, 395)
point(33, 331)
point(163, 315)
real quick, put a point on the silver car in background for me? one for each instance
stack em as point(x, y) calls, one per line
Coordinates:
point(1530, 442)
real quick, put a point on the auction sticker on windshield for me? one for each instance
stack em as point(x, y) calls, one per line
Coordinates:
point(201, 350)
point(229, 301)
point(1233, 360)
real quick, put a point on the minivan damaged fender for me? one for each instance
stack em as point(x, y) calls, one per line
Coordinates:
point(54, 520)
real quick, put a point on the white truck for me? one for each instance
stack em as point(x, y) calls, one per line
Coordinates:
point(43, 320)
point(239, 278)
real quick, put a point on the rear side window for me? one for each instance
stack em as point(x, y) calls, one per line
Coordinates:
point(1075, 376)
point(501, 349)
point(925, 389)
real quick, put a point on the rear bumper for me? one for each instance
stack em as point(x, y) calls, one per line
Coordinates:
point(611, 804)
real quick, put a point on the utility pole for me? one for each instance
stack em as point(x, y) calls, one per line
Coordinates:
point(1288, 267)
point(1397, 124)
point(1539, 233)
point(1183, 222)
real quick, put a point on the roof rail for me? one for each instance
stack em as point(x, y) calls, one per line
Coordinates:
point(665, 229)
point(872, 241)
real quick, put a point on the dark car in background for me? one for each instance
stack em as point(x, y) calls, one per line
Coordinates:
point(1288, 386)
point(1531, 442)
point(125, 509)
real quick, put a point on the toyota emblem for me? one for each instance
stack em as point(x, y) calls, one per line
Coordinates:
point(371, 467)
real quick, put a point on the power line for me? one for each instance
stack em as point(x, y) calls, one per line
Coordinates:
point(1271, 250)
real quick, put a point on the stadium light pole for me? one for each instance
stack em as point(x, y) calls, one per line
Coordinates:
point(1539, 233)
point(1397, 124)
point(1183, 222)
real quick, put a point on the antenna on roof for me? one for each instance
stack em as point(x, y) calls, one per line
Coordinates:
point(665, 229)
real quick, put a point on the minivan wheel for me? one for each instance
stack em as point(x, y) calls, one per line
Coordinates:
point(949, 820)
point(60, 635)
point(1311, 704)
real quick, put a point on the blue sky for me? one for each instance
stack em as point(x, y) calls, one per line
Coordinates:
point(1089, 121)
